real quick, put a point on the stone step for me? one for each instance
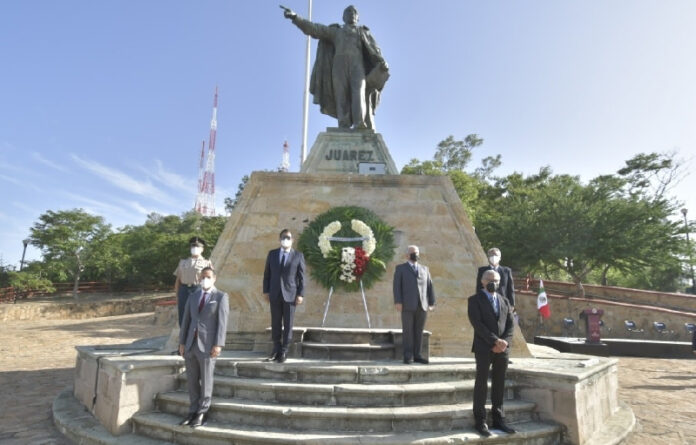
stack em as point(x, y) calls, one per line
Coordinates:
point(340, 418)
point(346, 394)
point(165, 427)
point(341, 335)
point(348, 351)
point(319, 371)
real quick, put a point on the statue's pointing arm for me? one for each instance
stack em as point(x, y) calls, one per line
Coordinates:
point(315, 30)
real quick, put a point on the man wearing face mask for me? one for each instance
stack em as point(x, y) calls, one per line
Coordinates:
point(188, 274)
point(283, 285)
point(201, 339)
point(507, 285)
point(491, 316)
point(414, 296)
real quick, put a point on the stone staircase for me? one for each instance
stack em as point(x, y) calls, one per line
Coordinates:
point(339, 393)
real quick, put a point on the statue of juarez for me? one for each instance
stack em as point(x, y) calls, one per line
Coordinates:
point(349, 71)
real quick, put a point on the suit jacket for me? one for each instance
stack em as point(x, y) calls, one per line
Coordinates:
point(211, 322)
point(487, 327)
point(412, 290)
point(290, 280)
point(507, 285)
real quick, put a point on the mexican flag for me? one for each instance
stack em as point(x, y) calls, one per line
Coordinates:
point(543, 302)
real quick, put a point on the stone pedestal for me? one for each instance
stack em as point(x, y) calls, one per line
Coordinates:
point(349, 151)
point(424, 210)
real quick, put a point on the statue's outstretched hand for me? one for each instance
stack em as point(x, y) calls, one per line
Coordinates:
point(288, 13)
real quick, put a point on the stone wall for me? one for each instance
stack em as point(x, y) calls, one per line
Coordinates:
point(61, 309)
point(424, 210)
point(615, 313)
point(669, 300)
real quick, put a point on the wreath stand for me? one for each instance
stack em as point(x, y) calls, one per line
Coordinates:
point(362, 290)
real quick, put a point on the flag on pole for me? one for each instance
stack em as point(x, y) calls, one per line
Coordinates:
point(543, 302)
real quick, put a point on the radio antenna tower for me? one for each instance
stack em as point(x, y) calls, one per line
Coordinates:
point(205, 200)
point(285, 165)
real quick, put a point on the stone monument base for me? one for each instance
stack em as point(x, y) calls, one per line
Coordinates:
point(140, 399)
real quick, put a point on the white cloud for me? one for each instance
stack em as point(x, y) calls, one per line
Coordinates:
point(171, 179)
point(124, 181)
point(48, 162)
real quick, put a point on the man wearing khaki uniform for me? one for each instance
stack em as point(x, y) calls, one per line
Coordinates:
point(188, 274)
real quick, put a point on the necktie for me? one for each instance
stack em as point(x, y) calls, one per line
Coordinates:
point(494, 303)
point(282, 261)
point(202, 303)
point(415, 268)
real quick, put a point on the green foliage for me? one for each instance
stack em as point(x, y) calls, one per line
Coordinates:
point(454, 154)
point(26, 281)
point(231, 203)
point(328, 270)
point(133, 256)
point(66, 239)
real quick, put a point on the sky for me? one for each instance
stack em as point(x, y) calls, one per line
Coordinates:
point(103, 105)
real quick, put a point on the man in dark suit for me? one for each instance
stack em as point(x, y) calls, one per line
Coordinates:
point(491, 316)
point(283, 284)
point(507, 285)
point(414, 297)
point(201, 339)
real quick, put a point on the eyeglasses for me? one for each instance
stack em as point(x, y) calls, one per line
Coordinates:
point(286, 237)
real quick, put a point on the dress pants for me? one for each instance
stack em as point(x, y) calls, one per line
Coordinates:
point(185, 291)
point(348, 78)
point(282, 318)
point(199, 378)
point(412, 323)
point(498, 364)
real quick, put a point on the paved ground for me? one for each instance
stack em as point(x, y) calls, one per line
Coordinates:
point(37, 360)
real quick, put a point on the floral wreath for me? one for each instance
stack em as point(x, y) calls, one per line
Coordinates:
point(347, 246)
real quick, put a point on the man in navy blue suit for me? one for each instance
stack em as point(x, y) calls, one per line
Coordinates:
point(283, 284)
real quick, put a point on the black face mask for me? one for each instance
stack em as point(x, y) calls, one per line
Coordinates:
point(491, 286)
point(414, 256)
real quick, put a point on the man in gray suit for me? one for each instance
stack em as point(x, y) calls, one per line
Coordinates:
point(201, 339)
point(413, 297)
point(283, 285)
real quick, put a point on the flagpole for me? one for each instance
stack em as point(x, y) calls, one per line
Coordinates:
point(305, 107)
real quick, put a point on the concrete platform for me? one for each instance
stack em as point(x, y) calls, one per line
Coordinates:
point(620, 347)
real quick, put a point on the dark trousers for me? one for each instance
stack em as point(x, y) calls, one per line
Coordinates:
point(182, 296)
point(282, 318)
point(497, 363)
point(412, 323)
point(200, 367)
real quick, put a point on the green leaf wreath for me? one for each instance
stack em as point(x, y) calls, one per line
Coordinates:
point(343, 264)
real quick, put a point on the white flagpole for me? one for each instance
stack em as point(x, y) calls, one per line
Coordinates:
point(305, 108)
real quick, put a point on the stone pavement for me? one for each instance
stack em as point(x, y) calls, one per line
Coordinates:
point(37, 359)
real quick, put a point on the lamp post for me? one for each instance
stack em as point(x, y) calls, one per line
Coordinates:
point(688, 246)
point(21, 263)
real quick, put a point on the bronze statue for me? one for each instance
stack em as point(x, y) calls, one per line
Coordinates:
point(349, 71)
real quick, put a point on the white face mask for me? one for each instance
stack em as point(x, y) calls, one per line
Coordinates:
point(286, 243)
point(494, 259)
point(196, 251)
point(206, 283)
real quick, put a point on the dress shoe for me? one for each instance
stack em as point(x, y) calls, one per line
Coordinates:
point(502, 426)
point(408, 361)
point(200, 419)
point(188, 419)
point(422, 360)
point(482, 429)
point(273, 357)
point(281, 357)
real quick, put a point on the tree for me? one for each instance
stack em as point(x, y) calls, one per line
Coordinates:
point(66, 238)
point(454, 154)
point(606, 227)
point(230, 203)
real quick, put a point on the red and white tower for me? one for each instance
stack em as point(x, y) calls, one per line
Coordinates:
point(205, 200)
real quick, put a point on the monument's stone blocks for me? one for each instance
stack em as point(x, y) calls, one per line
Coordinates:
point(424, 210)
point(339, 150)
